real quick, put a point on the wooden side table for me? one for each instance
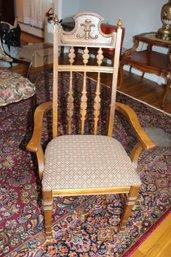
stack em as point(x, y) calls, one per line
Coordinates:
point(149, 60)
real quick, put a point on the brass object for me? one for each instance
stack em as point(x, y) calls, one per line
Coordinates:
point(55, 19)
point(165, 32)
point(119, 24)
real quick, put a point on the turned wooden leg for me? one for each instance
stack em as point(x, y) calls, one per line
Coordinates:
point(131, 199)
point(47, 207)
point(142, 75)
point(130, 69)
point(166, 91)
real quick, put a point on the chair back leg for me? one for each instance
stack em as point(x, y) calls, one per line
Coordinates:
point(47, 208)
point(130, 201)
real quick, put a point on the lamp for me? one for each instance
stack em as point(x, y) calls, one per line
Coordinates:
point(165, 32)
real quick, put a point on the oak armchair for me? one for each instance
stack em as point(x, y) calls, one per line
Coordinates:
point(85, 163)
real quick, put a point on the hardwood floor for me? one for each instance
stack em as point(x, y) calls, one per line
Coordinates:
point(158, 244)
point(145, 90)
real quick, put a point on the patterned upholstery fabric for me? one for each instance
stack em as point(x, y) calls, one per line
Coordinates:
point(87, 161)
point(14, 87)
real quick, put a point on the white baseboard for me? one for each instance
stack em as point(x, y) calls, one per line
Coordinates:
point(32, 30)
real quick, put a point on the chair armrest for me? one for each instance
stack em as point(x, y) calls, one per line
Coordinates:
point(34, 143)
point(131, 116)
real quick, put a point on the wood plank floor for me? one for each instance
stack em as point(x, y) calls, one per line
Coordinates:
point(145, 90)
point(158, 244)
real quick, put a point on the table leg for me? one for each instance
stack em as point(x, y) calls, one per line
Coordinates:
point(166, 91)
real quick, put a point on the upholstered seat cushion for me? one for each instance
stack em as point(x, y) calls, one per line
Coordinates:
point(14, 87)
point(87, 161)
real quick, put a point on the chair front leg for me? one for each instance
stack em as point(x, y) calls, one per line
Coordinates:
point(131, 199)
point(47, 208)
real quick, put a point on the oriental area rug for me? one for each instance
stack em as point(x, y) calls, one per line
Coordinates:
point(84, 226)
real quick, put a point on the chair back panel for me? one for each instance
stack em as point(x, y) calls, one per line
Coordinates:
point(108, 29)
point(87, 31)
point(86, 34)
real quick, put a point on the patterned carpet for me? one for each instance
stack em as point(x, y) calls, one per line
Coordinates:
point(83, 226)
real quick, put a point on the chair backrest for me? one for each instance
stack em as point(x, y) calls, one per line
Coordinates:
point(86, 34)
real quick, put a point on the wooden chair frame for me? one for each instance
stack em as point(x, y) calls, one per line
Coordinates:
point(79, 36)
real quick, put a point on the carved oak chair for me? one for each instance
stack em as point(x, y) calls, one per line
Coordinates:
point(83, 163)
point(14, 87)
